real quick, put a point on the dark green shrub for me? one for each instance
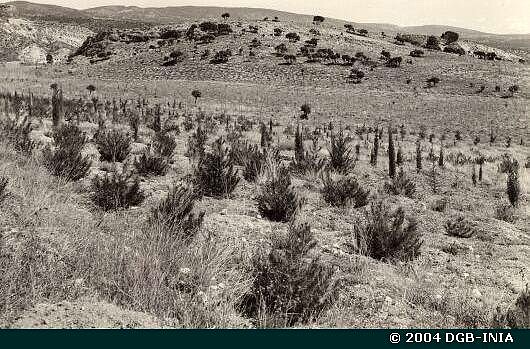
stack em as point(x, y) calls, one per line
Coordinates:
point(66, 160)
point(340, 160)
point(69, 136)
point(387, 235)
point(513, 189)
point(175, 212)
point(290, 285)
point(519, 315)
point(277, 200)
point(400, 185)
point(197, 144)
point(151, 164)
point(343, 192)
point(506, 213)
point(459, 227)
point(17, 132)
point(113, 145)
point(116, 190)
point(307, 161)
point(164, 144)
point(215, 175)
point(3, 185)
point(66, 163)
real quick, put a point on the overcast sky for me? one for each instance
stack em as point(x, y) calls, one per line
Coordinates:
point(494, 16)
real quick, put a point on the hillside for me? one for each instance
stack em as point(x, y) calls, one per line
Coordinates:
point(209, 172)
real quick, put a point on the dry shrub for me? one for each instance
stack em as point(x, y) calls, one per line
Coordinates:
point(66, 160)
point(66, 163)
point(69, 136)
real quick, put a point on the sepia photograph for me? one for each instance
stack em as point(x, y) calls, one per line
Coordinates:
point(266, 164)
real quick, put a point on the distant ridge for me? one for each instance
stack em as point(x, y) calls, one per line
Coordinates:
point(164, 15)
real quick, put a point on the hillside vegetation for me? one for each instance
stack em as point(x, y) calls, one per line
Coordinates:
point(233, 171)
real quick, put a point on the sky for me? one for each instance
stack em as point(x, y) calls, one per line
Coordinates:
point(493, 16)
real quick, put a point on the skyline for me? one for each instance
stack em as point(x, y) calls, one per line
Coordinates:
point(497, 17)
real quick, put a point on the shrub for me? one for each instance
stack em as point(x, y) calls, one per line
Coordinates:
point(456, 49)
point(175, 212)
point(343, 191)
point(3, 185)
point(400, 185)
point(116, 190)
point(340, 159)
point(459, 227)
point(281, 49)
point(432, 81)
point(151, 164)
point(513, 189)
point(255, 161)
point(277, 200)
point(69, 137)
point(164, 144)
point(307, 161)
point(507, 164)
point(66, 163)
point(293, 37)
point(433, 43)
point(221, 57)
point(394, 62)
point(391, 155)
point(290, 285)
point(439, 205)
point(113, 145)
point(417, 53)
point(197, 143)
point(17, 132)
point(519, 315)
point(506, 213)
point(386, 236)
point(215, 174)
point(450, 37)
